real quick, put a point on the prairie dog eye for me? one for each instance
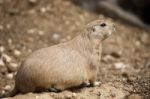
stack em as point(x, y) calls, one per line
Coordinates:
point(103, 24)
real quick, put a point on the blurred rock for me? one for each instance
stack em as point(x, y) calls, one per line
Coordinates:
point(7, 88)
point(3, 70)
point(31, 31)
point(117, 54)
point(137, 43)
point(74, 95)
point(41, 33)
point(8, 26)
point(1, 62)
point(17, 52)
point(32, 1)
point(120, 65)
point(68, 37)
point(43, 10)
point(6, 58)
point(1, 26)
point(108, 58)
point(12, 12)
point(135, 96)
point(2, 48)
point(56, 37)
point(68, 96)
point(9, 76)
point(12, 67)
point(9, 41)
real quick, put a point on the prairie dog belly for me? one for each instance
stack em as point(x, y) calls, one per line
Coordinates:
point(53, 66)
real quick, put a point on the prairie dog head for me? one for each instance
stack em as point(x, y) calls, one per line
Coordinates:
point(99, 30)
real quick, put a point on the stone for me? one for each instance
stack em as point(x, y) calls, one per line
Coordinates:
point(17, 52)
point(1, 62)
point(9, 76)
point(55, 36)
point(119, 65)
point(7, 88)
point(2, 49)
point(6, 58)
point(12, 67)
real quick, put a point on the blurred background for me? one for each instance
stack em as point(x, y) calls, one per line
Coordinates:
point(27, 25)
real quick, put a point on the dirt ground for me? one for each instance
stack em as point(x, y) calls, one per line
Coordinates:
point(27, 25)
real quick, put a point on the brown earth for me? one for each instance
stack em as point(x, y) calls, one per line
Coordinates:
point(27, 25)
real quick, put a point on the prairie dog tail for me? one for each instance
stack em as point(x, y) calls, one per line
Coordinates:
point(10, 94)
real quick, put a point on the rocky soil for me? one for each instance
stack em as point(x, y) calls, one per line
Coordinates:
point(28, 25)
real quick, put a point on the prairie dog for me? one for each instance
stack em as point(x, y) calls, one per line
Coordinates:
point(65, 65)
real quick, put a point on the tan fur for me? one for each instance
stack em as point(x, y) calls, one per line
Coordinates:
point(64, 65)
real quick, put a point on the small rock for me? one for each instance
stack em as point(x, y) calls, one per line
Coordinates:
point(135, 96)
point(119, 65)
point(12, 67)
point(41, 33)
point(12, 12)
point(6, 58)
point(32, 1)
point(63, 40)
point(116, 54)
point(10, 76)
point(32, 11)
point(97, 83)
point(1, 27)
point(107, 58)
point(8, 26)
point(74, 94)
point(1, 62)
point(3, 70)
point(2, 49)
point(137, 43)
point(17, 52)
point(3, 91)
point(68, 37)
point(43, 10)
point(68, 96)
point(37, 97)
point(7, 88)
point(9, 41)
point(31, 31)
point(55, 36)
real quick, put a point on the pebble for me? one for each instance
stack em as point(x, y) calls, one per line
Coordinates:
point(137, 43)
point(7, 88)
point(74, 94)
point(1, 62)
point(43, 10)
point(116, 54)
point(1, 27)
point(6, 58)
point(68, 96)
point(31, 31)
point(9, 41)
point(17, 52)
point(12, 67)
point(68, 37)
point(32, 1)
point(3, 70)
point(55, 36)
point(8, 26)
point(119, 65)
point(9, 76)
point(2, 49)
point(108, 58)
point(40, 33)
